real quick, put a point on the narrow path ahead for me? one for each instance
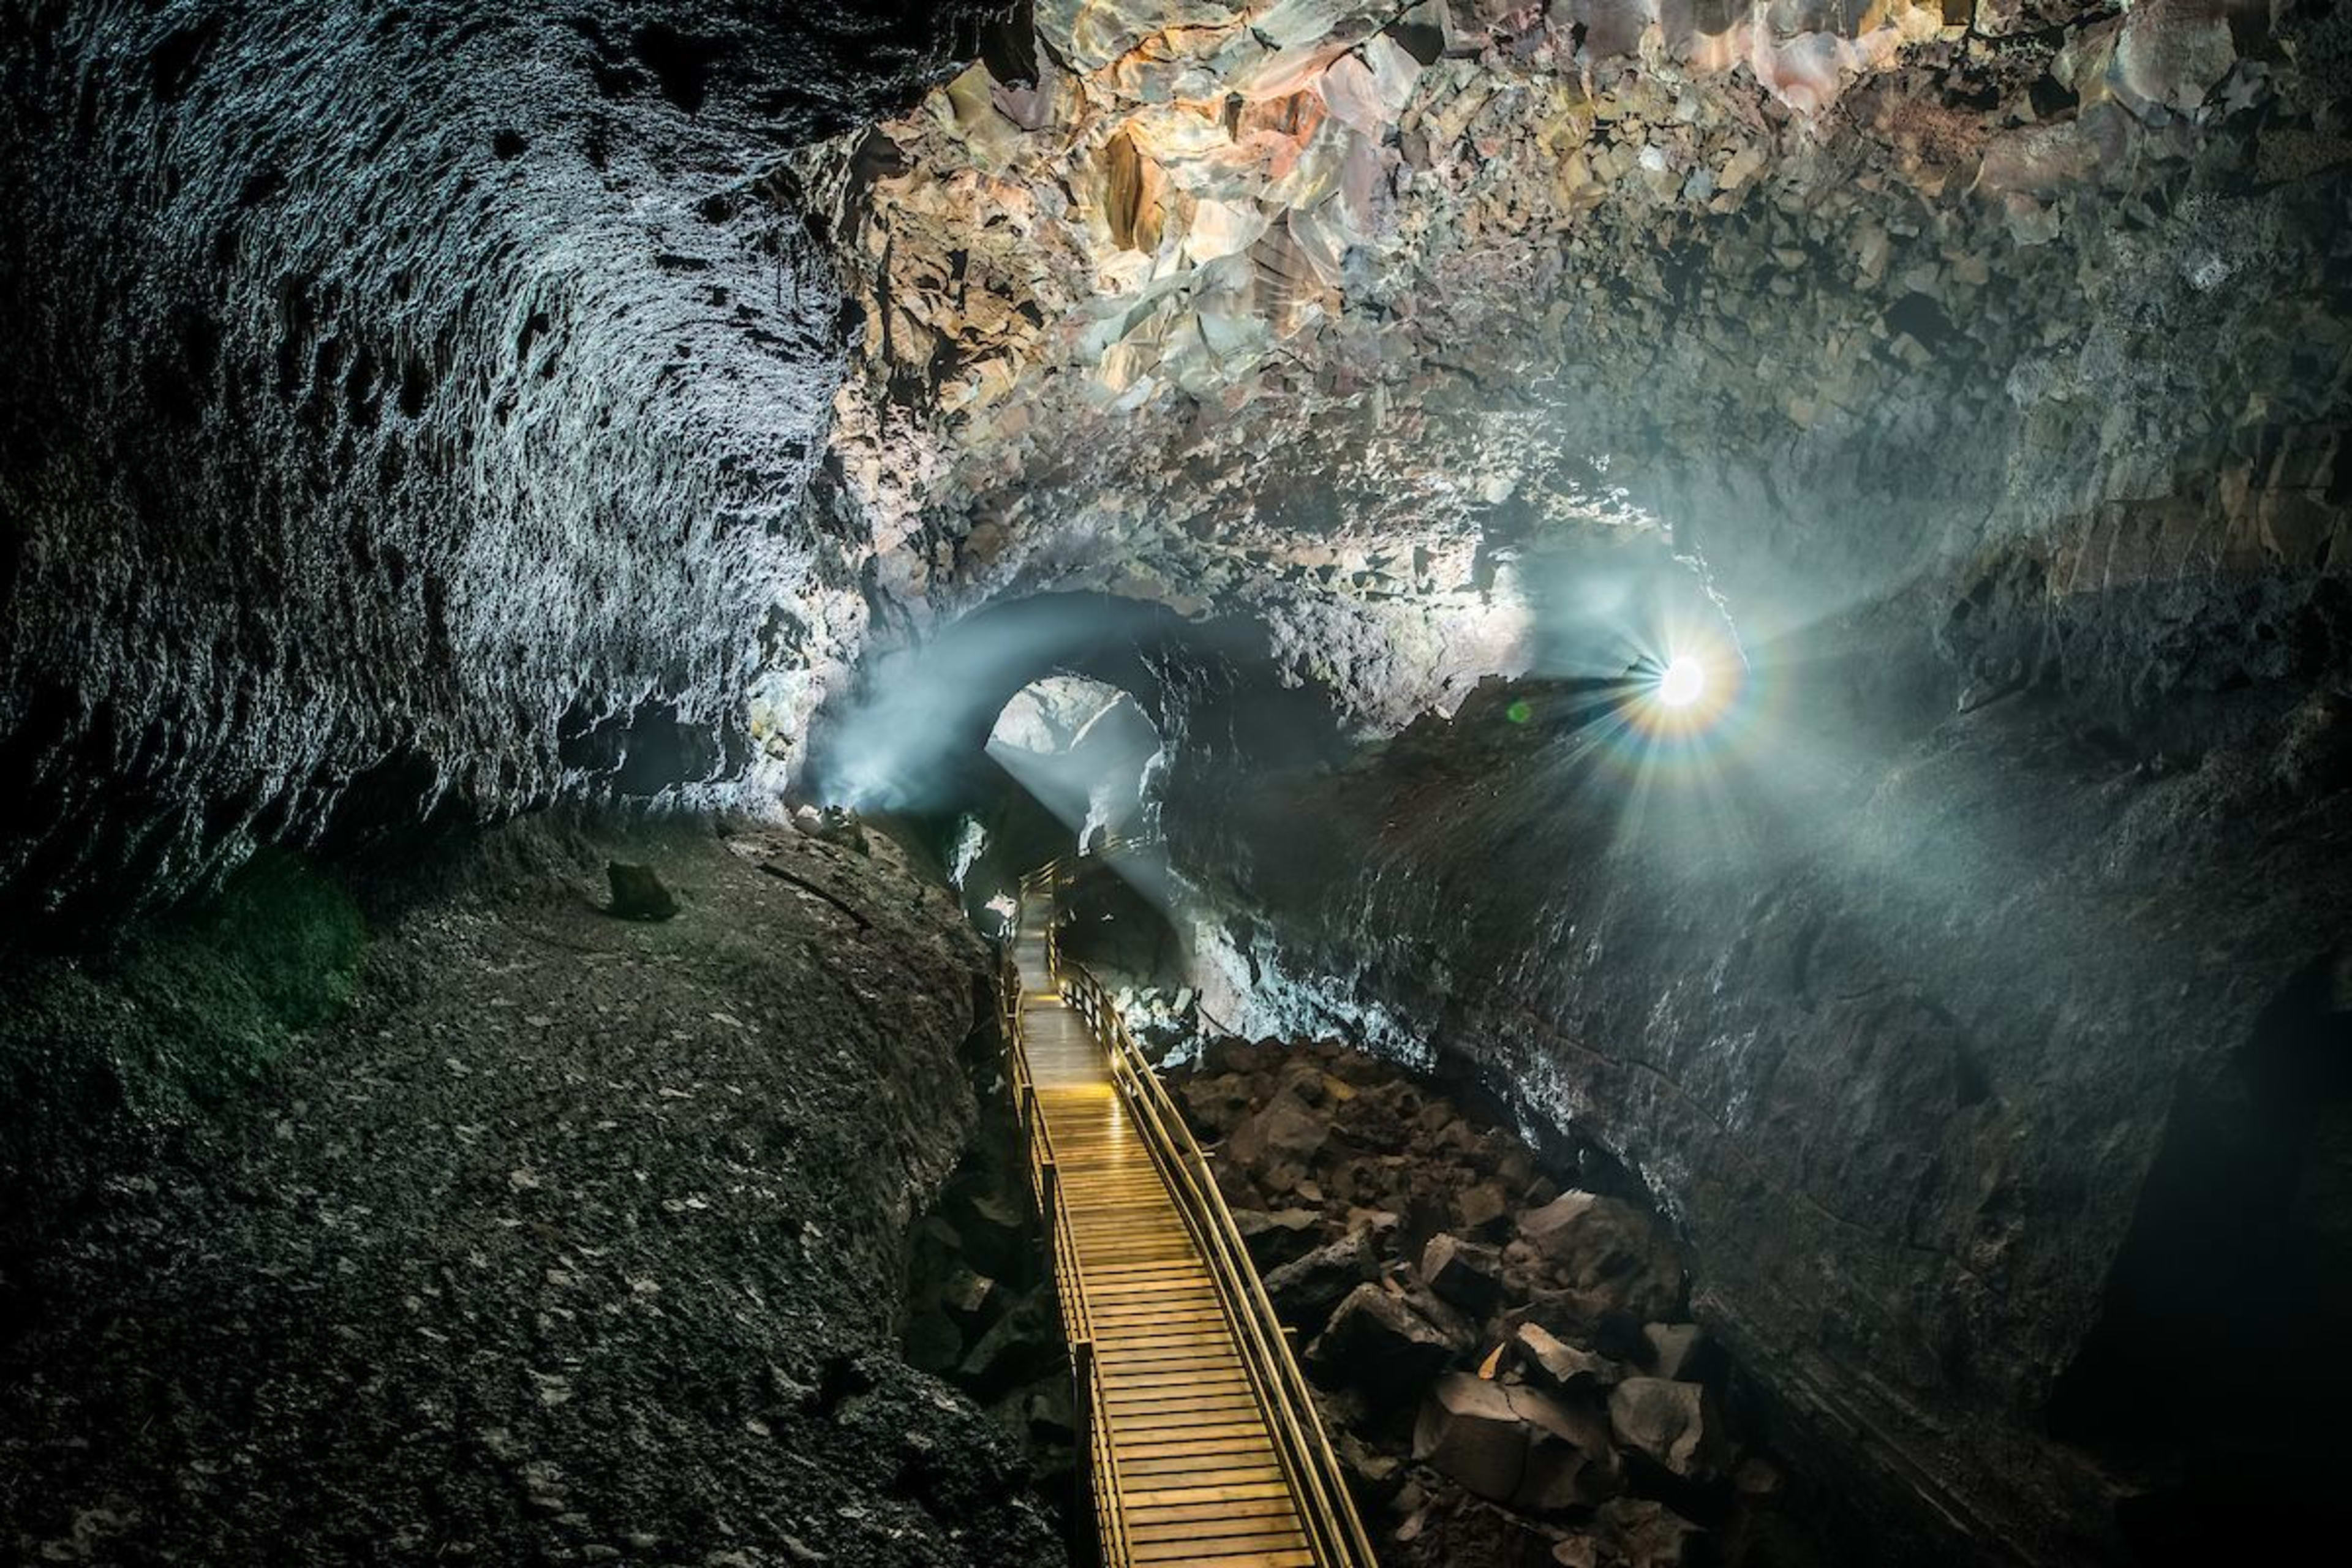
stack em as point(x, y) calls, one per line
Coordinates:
point(1196, 1473)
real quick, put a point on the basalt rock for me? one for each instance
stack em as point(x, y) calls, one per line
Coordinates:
point(1673, 1425)
point(1606, 1256)
point(1277, 1238)
point(1378, 1343)
point(1306, 1292)
point(355, 351)
point(1561, 1367)
point(1677, 1351)
point(1463, 1273)
point(638, 893)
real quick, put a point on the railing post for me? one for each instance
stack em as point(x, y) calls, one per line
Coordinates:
point(1082, 1382)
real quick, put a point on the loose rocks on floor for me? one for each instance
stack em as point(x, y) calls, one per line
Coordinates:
point(1510, 1370)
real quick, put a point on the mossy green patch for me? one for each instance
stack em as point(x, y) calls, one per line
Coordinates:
point(180, 1020)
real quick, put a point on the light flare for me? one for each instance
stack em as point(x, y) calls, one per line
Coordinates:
point(1683, 680)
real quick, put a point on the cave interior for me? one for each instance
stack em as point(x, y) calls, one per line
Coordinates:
point(1688, 665)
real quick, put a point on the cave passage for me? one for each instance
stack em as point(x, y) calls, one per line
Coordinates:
point(1685, 670)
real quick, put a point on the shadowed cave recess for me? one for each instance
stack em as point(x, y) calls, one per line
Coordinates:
point(1733, 616)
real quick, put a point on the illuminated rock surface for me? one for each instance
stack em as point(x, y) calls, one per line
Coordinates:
point(418, 415)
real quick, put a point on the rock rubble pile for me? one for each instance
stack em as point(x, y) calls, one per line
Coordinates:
point(1509, 1368)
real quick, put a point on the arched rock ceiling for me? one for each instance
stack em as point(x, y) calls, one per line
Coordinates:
point(402, 405)
point(1335, 311)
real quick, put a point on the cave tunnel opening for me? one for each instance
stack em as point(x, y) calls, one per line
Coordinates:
point(1039, 726)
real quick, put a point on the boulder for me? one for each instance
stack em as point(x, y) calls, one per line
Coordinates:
point(637, 893)
point(1458, 1331)
point(1465, 1274)
point(1376, 1342)
point(969, 1297)
point(1273, 1239)
point(1608, 1253)
point(1673, 1425)
point(1515, 1445)
point(1482, 1210)
point(2173, 52)
point(1284, 1132)
point(1561, 1367)
point(1588, 1317)
point(1229, 1057)
point(1021, 1347)
point(1212, 1105)
point(1677, 1351)
point(1306, 1293)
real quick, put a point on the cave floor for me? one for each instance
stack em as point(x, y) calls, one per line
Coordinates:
point(575, 1239)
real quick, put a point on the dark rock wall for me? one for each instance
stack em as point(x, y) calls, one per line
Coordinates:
point(406, 405)
point(1896, 1025)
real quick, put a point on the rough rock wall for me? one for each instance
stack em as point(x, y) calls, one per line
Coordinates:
point(1334, 313)
point(1986, 366)
point(1896, 1027)
point(404, 406)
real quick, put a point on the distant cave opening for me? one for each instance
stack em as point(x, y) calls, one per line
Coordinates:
point(1037, 726)
point(1088, 753)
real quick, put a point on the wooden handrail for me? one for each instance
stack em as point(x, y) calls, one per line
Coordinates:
point(1326, 1512)
point(1335, 1532)
point(1086, 1405)
point(1062, 867)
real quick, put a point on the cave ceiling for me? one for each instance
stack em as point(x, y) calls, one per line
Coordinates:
point(460, 409)
point(1341, 314)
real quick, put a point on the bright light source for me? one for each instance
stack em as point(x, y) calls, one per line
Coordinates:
point(1681, 682)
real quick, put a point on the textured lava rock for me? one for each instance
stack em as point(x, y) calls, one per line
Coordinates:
point(406, 408)
point(568, 1237)
point(1376, 1342)
point(1355, 323)
point(1306, 1292)
point(638, 893)
point(1464, 1274)
point(1501, 1465)
point(1673, 1424)
point(1924, 1043)
point(1515, 1445)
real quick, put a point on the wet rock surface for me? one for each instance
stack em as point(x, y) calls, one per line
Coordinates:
point(1476, 1433)
point(573, 1239)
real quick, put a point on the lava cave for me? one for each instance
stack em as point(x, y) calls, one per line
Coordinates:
point(1281, 783)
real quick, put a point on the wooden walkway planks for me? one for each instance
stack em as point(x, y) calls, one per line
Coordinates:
point(1195, 1465)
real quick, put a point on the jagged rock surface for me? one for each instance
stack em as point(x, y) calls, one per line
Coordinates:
point(1470, 1432)
point(1354, 314)
point(567, 1241)
point(1937, 1052)
point(404, 406)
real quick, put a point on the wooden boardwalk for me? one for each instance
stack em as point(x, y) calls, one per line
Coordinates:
point(1196, 1474)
